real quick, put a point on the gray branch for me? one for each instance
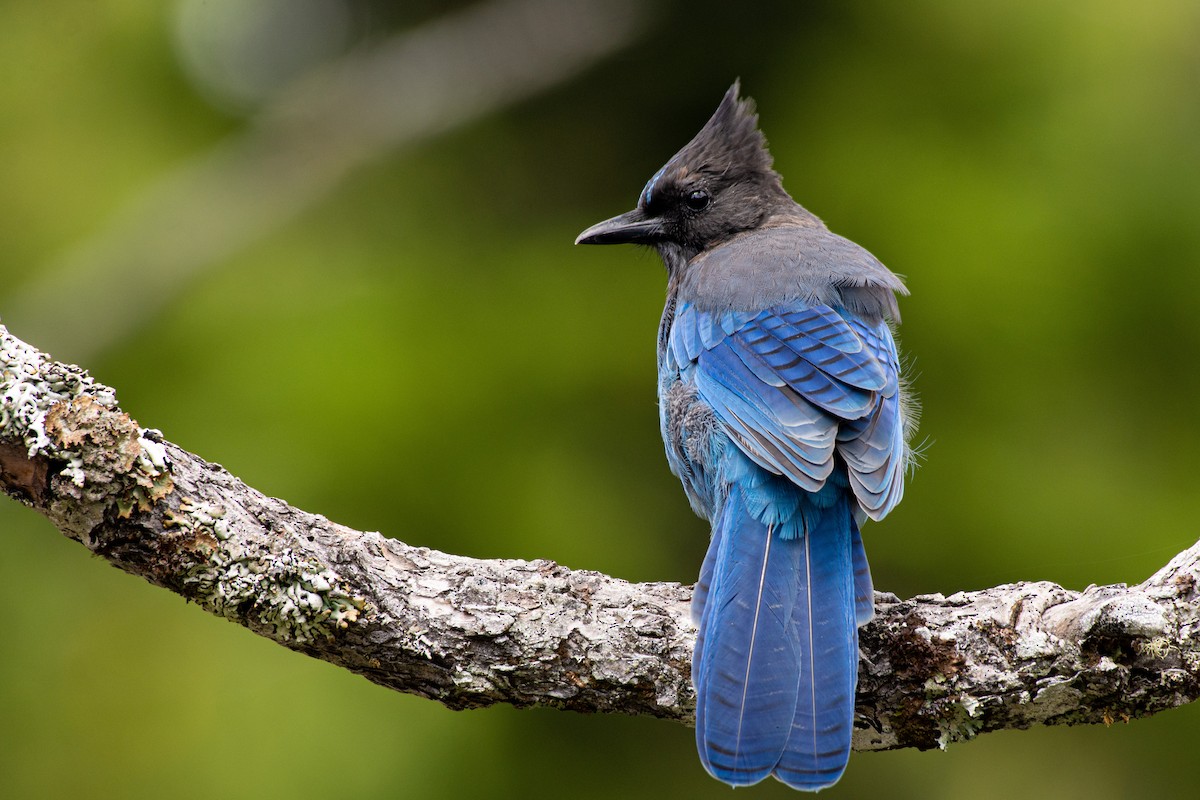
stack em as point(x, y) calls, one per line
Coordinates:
point(470, 632)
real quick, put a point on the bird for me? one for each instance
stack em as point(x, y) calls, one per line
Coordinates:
point(785, 415)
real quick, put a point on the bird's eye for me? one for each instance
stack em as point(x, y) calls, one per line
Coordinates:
point(697, 200)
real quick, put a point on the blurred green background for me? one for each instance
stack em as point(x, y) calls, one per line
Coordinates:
point(420, 350)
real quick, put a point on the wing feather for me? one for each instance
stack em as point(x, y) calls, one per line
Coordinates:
point(796, 383)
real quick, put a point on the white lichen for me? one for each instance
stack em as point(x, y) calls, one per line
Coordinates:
point(31, 384)
point(961, 724)
point(1035, 644)
point(1157, 647)
point(54, 409)
point(286, 594)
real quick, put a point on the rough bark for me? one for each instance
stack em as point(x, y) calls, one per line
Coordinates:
point(470, 632)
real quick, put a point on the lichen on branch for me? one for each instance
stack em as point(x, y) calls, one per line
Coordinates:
point(473, 632)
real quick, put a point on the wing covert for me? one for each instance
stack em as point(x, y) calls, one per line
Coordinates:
point(794, 384)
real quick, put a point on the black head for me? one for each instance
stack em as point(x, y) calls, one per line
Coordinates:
point(720, 183)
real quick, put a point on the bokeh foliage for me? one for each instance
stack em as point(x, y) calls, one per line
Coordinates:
point(424, 353)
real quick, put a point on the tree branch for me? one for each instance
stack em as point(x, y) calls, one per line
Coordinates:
point(470, 632)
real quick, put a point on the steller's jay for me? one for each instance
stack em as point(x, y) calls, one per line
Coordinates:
point(785, 417)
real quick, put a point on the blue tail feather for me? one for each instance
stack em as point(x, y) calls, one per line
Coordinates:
point(819, 745)
point(776, 657)
point(746, 665)
point(700, 592)
point(864, 587)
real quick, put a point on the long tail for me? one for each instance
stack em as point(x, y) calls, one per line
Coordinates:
point(776, 662)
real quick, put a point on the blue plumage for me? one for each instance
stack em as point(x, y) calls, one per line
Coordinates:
point(785, 583)
point(784, 415)
point(776, 654)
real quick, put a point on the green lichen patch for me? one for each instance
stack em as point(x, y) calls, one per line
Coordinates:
point(102, 444)
point(279, 592)
point(958, 721)
point(31, 384)
point(58, 411)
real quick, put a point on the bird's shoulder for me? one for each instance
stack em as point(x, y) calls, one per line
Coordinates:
point(789, 264)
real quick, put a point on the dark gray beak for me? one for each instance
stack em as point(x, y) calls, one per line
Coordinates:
point(633, 227)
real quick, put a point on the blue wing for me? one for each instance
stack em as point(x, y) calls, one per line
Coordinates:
point(793, 384)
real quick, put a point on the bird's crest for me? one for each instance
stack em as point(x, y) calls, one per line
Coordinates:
point(730, 145)
point(732, 135)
